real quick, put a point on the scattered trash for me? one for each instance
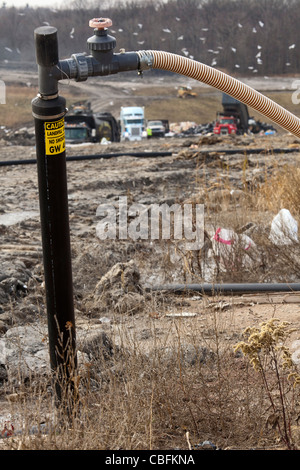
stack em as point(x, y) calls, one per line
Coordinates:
point(231, 249)
point(206, 445)
point(284, 228)
point(104, 141)
point(181, 314)
point(8, 429)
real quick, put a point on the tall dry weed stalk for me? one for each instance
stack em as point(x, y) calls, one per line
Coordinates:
point(267, 352)
point(281, 190)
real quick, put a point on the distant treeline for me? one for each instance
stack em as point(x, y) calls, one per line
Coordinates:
point(239, 36)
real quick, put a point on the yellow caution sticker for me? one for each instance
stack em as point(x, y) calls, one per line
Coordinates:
point(55, 137)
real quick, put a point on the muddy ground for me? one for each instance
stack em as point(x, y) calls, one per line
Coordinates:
point(114, 279)
point(196, 169)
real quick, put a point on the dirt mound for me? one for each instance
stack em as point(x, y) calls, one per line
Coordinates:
point(119, 290)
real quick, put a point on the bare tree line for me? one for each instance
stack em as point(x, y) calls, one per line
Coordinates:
point(238, 36)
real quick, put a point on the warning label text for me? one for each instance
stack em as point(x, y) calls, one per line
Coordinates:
point(54, 137)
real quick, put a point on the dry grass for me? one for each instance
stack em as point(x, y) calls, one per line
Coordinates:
point(282, 190)
point(144, 400)
point(17, 110)
point(170, 390)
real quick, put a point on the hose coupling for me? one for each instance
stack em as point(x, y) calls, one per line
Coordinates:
point(145, 60)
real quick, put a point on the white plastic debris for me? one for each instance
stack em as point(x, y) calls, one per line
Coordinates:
point(232, 249)
point(284, 228)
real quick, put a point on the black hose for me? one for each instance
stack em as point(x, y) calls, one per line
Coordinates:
point(212, 289)
point(245, 151)
point(92, 157)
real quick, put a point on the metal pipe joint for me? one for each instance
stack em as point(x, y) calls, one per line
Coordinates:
point(101, 61)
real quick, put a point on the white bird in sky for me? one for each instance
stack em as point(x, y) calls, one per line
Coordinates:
point(258, 55)
point(292, 46)
point(254, 30)
point(214, 62)
point(233, 49)
point(180, 38)
point(204, 29)
point(237, 66)
point(166, 30)
point(72, 33)
point(140, 25)
point(177, 19)
point(8, 49)
point(240, 25)
point(261, 24)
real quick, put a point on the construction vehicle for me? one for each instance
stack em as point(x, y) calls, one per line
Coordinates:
point(225, 125)
point(132, 123)
point(82, 125)
point(186, 92)
point(234, 119)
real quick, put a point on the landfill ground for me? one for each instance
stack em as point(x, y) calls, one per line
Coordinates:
point(219, 172)
point(194, 166)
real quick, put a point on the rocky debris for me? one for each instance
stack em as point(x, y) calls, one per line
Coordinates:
point(97, 344)
point(24, 351)
point(22, 136)
point(119, 290)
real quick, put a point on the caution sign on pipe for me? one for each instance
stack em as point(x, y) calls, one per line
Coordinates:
point(55, 137)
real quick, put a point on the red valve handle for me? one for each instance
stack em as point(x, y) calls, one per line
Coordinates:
point(100, 23)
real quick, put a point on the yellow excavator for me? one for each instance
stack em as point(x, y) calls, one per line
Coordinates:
point(186, 92)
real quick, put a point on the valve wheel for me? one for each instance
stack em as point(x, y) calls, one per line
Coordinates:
point(100, 23)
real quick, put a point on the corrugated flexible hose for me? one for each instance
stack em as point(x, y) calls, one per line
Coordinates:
point(223, 82)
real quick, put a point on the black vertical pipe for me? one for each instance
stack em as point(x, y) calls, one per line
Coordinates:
point(48, 110)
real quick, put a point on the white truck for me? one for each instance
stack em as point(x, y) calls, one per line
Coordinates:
point(132, 123)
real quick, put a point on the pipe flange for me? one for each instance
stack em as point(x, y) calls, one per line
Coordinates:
point(83, 67)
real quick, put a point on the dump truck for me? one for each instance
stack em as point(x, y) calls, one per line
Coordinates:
point(234, 119)
point(82, 125)
point(132, 123)
point(225, 125)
